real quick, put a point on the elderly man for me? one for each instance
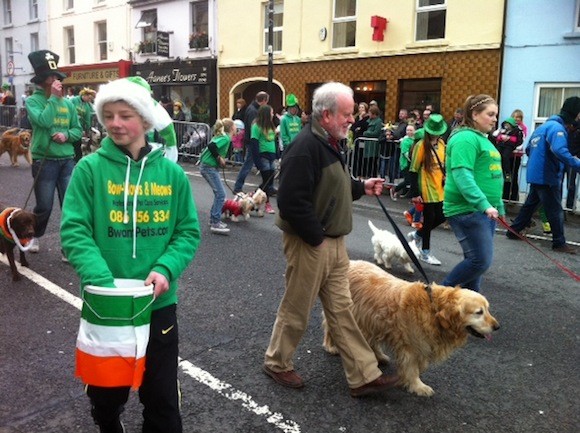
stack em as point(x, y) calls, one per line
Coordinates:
point(315, 201)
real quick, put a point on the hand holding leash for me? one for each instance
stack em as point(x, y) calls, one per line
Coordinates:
point(374, 186)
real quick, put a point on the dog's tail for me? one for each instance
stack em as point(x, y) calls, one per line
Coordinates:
point(373, 228)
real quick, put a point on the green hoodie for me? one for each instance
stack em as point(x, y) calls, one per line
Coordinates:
point(161, 232)
point(49, 116)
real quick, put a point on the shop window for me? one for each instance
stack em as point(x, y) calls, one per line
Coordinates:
point(550, 99)
point(431, 15)
point(367, 91)
point(69, 40)
point(7, 8)
point(199, 37)
point(101, 29)
point(344, 24)
point(416, 94)
point(148, 23)
point(278, 21)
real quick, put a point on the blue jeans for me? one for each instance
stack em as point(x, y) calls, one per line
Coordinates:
point(54, 174)
point(474, 232)
point(550, 197)
point(212, 176)
point(252, 158)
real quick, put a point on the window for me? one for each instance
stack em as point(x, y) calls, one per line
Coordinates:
point(69, 4)
point(69, 42)
point(34, 42)
point(278, 21)
point(9, 45)
point(344, 24)
point(550, 99)
point(577, 18)
point(431, 19)
point(33, 6)
point(418, 93)
point(7, 6)
point(148, 22)
point(101, 30)
point(199, 25)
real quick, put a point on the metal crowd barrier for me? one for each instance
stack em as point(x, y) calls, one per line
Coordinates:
point(192, 138)
point(9, 116)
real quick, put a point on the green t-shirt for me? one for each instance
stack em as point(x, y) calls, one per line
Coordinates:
point(267, 142)
point(222, 143)
point(470, 150)
point(406, 144)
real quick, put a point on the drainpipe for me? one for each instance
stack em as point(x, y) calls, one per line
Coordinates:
point(502, 53)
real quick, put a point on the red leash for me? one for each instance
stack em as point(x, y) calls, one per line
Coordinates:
point(523, 238)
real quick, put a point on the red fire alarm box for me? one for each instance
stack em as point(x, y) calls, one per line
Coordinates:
point(379, 25)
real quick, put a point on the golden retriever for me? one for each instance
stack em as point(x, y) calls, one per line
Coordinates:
point(16, 142)
point(418, 329)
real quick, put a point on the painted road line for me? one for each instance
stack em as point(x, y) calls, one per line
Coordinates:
point(222, 388)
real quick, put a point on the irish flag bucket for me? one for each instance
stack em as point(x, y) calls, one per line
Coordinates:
point(113, 334)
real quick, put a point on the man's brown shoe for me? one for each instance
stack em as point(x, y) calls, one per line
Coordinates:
point(285, 378)
point(565, 249)
point(382, 383)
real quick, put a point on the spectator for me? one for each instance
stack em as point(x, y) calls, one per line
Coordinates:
point(358, 128)
point(126, 161)
point(570, 173)
point(453, 124)
point(548, 153)
point(371, 147)
point(427, 178)
point(83, 103)
point(404, 160)
point(315, 201)
point(473, 188)
point(252, 151)
point(240, 110)
point(519, 116)
point(55, 127)
point(238, 142)
point(401, 129)
point(290, 124)
point(507, 138)
point(263, 137)
point(178, 113)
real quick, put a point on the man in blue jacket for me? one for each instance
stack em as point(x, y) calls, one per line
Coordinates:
point(548, 153)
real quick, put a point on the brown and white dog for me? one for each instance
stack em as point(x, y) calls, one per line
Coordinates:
point(419, 328)
point(16, 142)
point(16, 229)
point(259, 198)
point(239, 206)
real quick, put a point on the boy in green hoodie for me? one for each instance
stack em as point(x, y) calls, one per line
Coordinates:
point(129, 213)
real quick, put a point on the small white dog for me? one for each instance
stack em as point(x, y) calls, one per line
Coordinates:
point(259, 198)
point(388, 248)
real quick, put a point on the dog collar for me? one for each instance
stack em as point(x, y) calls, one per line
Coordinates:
point(8, 232)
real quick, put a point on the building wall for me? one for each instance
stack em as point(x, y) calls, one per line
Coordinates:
point(462, 73)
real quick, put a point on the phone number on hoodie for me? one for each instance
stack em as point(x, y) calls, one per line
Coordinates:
point(139, 231)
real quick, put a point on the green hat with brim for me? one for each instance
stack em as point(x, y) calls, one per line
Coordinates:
point(45, 64)
point(435, 125)
point(291, 100)
point(511, 121)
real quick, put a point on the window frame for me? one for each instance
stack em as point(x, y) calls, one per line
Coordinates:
point(567, 90)
point(69, 40)
point(9, 47)
point(277, 30)
point(428, 9)
point(33, 10)
point(149, 35)
point(68, 5)
point(34, 41)
point(199, 29)
point(7, 9)
point(102, 45)
point(347, 19)
point(576, 26)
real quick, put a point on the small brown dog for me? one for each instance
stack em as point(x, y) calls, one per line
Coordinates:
point(16, 142)
point(16, 228)
point(420, 329)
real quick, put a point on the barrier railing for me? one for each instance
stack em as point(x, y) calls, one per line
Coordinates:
point(192, 138)
point(9, 116)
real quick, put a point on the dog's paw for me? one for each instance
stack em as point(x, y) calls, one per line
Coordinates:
point(421, 389)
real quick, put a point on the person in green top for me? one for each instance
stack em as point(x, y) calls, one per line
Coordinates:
point(264, 133)
point(371, 147)
point(83, 103)
point(473, 191)
point(55, 127)
point(404, 160)
point(291, 123)
point(129, 214)
point(211, 160)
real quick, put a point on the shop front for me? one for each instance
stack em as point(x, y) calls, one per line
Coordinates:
point(93, 75)
point(191, 82)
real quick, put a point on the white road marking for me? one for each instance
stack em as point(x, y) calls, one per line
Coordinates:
point(222, 388)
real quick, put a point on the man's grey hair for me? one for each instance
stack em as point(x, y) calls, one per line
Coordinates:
point(325, 98)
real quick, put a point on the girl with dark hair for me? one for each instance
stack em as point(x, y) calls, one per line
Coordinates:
point(264, 133)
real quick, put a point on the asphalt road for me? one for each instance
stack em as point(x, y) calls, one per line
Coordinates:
point(525, 380)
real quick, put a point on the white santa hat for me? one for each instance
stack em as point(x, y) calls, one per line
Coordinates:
point(135, 91)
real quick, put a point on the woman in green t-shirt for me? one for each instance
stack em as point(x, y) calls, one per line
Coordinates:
point(264, 132)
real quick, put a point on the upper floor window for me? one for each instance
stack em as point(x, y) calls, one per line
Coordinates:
point(148, 22)
point(344, 24)
point(34, 42)
point(431, 16)
point(7, 8)
point(69, 44)
point(9, 45)
point(278, 21)
point(101, 30)
point(33, 6)
point(199, 37)
point(69, 4)
point(577, 18)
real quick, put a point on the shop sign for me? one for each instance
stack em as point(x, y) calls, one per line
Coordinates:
point(163, 44)
point(92, 76)
point(177, 76)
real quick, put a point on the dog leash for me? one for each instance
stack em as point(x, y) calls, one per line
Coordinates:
point(407, 248)
point(571, 273)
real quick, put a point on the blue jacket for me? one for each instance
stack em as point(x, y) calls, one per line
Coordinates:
point(548, 152)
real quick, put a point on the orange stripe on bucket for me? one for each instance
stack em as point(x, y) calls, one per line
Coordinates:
point(109, 371)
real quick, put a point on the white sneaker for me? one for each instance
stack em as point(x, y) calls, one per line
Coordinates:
point(429, 259)
point(34, 245)
point(220, 228)
point(414, 237)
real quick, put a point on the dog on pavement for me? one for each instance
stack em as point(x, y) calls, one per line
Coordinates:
point(239, 206)
point(418, 326)
point(259, 198)
point(388, 248)
point(16, 142)
point(16, 229)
